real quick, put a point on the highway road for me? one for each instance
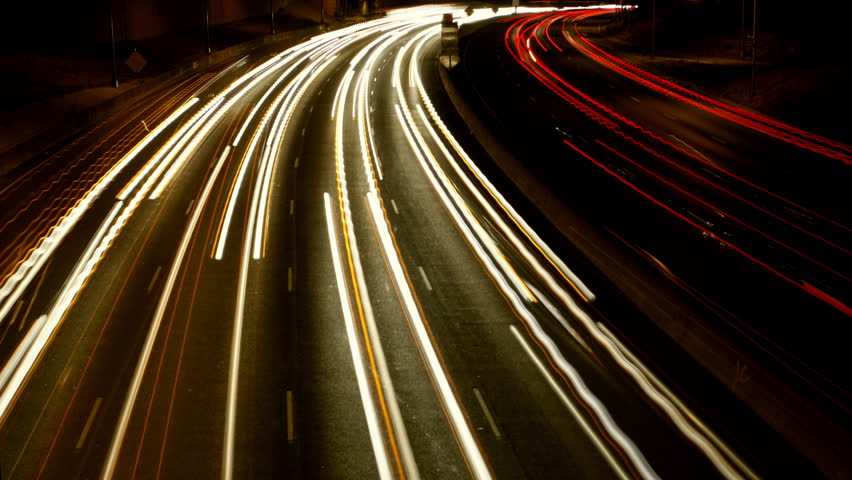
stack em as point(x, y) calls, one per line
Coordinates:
point(293, 267)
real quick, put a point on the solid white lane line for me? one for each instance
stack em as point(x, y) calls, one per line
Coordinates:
point(154, 279)
point(488, 416)
point(291, 433)
point(89, 423)
point(382, 461)
point(393, 204)
point(425, 278)
point(593, 436)
point(130, 400)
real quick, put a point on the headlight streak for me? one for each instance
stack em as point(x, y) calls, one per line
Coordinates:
point(224, 228)
point(661, 396)
point(16, 371)
point(369, 154)
point(520, 223)
point(590, 432)
point(661, 387)
point(133, 390)
point(561, 319)
point(269, 91)
point(418, 144)
point(564, 366)
point(141, 145)
point(236, 345)
point(382, 461)
point(472, 453)
point(197, 133)
point(17, 282)
point(282, 120)
point(386, 398)
point(510, 293)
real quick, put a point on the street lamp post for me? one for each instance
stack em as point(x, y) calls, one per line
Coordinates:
point(207, 24)
point(753, 51)
point(271, 19)
point(742, 30)
point(653, 26)
point(112, 41)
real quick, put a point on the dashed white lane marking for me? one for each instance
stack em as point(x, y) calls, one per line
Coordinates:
point(89, 422)
point(393, 204)
point(488, 415)
point(292, 206)
point(291, 431)
point(289, 279)
point(191, 203)
point(425, 279)
point(153, 279)
point(296, 163)
point(635, 99)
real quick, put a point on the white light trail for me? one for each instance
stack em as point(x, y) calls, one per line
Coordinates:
point(472, 454)
point(589, 431)
point(382, 461)
point(705, 440)
point(130, 399)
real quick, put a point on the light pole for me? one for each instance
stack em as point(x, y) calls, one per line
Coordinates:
point(653, 25)
point(753, 51)
point(271, 19)
point(112, 41)
point(742, 30)
point(207, 24)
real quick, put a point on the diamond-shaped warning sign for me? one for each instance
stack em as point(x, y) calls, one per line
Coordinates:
point(136, 62)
